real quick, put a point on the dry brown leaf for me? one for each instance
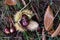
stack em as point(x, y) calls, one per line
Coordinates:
point(48, 18)
point(10, 2)
point(59, 33)
point(56, 32)
point(51, 32)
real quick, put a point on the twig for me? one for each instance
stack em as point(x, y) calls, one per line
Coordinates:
point(43, 35)
point(35, 9)
point(25, 6)
point(35, 13)
point(37, 35)
point(24, 3)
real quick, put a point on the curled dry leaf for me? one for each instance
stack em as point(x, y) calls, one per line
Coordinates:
point(57, 31)
point(19, 27)
point(48, 18)
point(10, 2)
point(18, 15)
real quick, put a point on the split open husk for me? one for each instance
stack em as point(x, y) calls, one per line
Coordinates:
point(19, 27)
point(18, 15)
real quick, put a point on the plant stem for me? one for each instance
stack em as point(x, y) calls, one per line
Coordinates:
point(25, 34)
point(43, 35)
point(24, 3)
point(37, 35)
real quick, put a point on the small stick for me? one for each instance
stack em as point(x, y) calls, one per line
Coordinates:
point(24, 3)
point(43, 35)
point(25, 6)
point(35, 13)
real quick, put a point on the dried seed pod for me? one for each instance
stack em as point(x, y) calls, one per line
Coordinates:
point(48, 18)
point(56, 32)
point(32, 26)
point(11, 2)
point(29, 13)
point(19, 27)
point(18, 15)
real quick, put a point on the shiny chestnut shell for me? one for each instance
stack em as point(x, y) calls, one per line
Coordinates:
point(6, 30)
point(12, 29)
point(24, 20)
point(10, 2)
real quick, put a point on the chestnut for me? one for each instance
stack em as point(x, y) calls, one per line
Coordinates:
point(11, 2)
point(12, 29)
point(6, 30)
point(24, 20)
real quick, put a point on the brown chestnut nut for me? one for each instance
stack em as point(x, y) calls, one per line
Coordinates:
point(11, 2)
point(12, 29)
point(24, 21)
point(6, 30)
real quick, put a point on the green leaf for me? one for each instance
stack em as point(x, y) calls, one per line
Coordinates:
point(6, 7)
point(19, 5)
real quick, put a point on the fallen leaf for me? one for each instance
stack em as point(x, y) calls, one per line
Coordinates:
point(51, 32)
point(57, 31)
point(48, 19)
